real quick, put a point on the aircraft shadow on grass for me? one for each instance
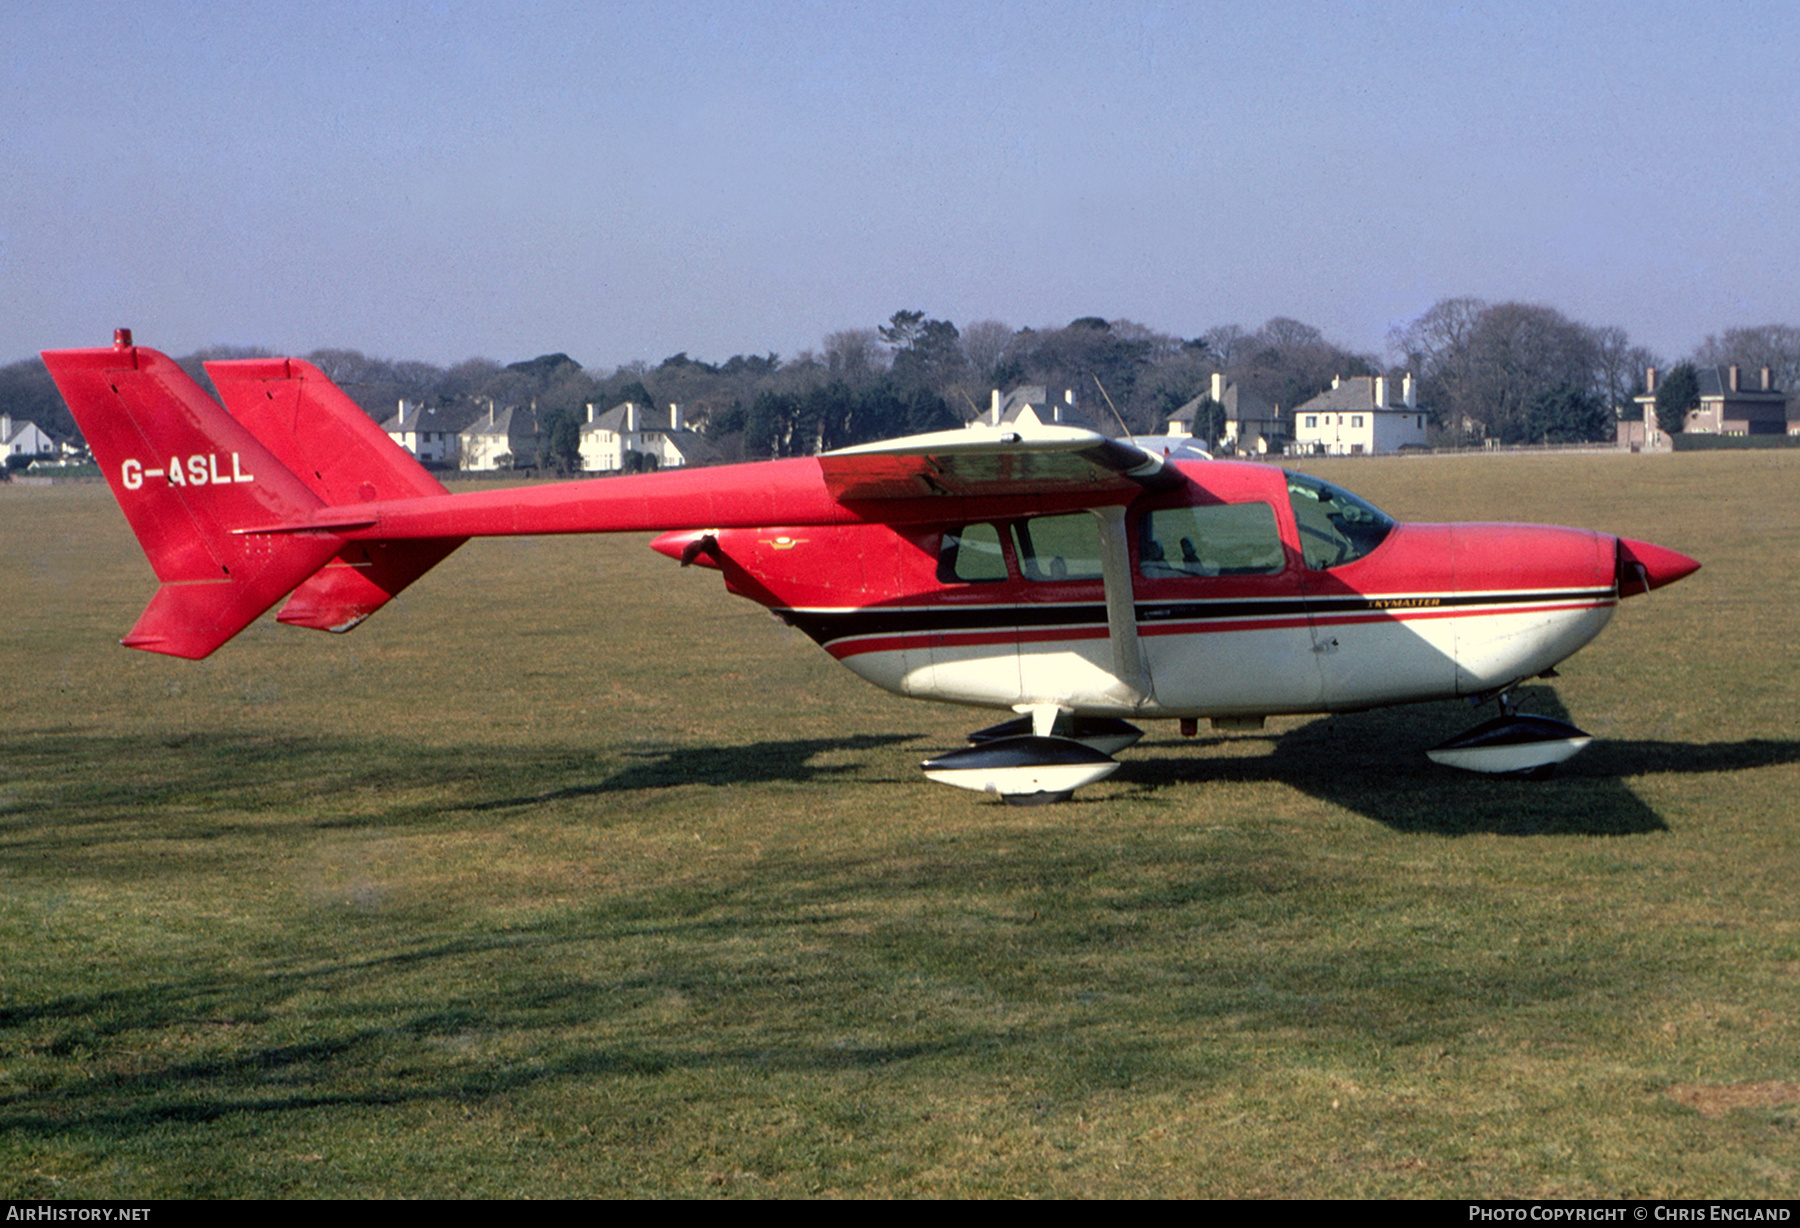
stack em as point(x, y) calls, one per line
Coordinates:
point(1372, 763)
point(722, 766)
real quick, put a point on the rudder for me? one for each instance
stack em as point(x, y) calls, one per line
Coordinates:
point(345, 458)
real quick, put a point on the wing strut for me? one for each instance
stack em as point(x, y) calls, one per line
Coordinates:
point(1121, 606)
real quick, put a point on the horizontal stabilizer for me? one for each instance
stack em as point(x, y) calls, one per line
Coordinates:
point(363, 577)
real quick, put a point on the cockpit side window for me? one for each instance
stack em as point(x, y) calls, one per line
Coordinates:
point(1059, 547)
point(971, 555)
point(1335, 526)
point(1225, 539)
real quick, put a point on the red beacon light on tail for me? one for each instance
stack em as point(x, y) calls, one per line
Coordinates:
point(1078, 582)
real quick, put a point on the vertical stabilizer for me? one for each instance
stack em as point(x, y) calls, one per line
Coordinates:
point(345, 458)
point(186, 475)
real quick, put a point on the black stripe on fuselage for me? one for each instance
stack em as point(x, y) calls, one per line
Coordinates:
point(825, 626)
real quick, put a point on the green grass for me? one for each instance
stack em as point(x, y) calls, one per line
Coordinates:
point(572, 875)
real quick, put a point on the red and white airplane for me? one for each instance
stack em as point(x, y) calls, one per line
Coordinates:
point(1070, 578)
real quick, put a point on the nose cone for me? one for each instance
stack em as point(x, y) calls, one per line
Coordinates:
point(1643, 567)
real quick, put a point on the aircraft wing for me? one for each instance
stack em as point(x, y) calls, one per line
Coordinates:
point(995, 461)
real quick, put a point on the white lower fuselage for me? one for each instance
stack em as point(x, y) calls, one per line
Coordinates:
point(1222, 659)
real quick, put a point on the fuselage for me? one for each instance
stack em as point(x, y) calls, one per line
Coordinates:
point(1251, 592)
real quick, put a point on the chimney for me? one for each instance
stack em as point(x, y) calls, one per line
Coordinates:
point(1335, 381)
point(1408, 393)
point(1734, 377)
point(1768, 386)
point(674, 416)
point(994, 413)
point(631, 421)
point(1218, 387)
point(1381, 392)
point(1649, 379)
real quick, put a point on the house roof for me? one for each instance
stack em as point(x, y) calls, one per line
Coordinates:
point(695, 448)
point(1036, 398)
point(1239, 406)
point(513, 421)
point(1715, 383)
point(615, 420)
point(1354, 394)
point(14, 428)
point(452, 419)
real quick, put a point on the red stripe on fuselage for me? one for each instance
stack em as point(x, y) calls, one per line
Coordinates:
point(1406, 616)
point(851, 646)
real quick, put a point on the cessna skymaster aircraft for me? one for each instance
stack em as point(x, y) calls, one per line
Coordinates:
point(1070, 578)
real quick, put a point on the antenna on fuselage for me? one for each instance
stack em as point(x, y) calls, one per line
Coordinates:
point(1124, 431)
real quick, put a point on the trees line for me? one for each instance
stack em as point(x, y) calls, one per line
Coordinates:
point(1518, 372)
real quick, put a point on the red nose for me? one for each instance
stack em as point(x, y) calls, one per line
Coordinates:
point(1643, 567)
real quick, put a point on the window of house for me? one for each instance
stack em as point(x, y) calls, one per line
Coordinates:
point(1059, 547)
point(1312, 420)
point(1356, 420)
point(971, 555)
point(1228, 539)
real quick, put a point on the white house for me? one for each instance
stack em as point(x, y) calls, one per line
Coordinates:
point(503, 439)
point(1033, 405)
point(1251, 423)
point(21, 438)
point(429, 434)
point(1356, 418)
point(661, 441)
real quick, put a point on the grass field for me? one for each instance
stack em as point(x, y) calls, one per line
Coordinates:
point(571, 875)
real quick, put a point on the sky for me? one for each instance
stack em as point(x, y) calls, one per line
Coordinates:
point(623, 181)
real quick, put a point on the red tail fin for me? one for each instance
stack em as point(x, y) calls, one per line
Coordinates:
point(331, 444)
point(186, 475)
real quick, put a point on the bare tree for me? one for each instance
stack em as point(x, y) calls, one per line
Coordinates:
point(1285, 362)
point(854, 355)
point(985, 345)
point(1517, 352)
point(1483, 367)
point(1226, 343)
point(1619, 367)
point(1775, 346)
point(1436, 348)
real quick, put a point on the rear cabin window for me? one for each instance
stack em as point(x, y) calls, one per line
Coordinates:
point(1335, 526)
point(1059, 547)
point(1229, 539)
point(971, 555)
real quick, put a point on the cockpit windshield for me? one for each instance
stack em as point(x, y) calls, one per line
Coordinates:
point(1336, 527)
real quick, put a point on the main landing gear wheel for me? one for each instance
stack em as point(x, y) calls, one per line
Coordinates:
point(1023, 771)
point(1513, 744)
